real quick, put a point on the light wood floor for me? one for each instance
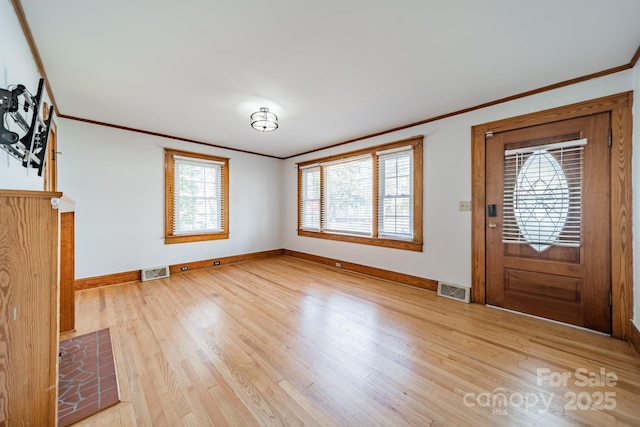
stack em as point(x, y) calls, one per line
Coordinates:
point(282, 341)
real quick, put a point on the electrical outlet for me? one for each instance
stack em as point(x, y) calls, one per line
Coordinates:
point(184, 268)
point(338, 265)
point(216, 263)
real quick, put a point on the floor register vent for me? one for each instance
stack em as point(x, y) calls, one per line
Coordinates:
point(154, 273)
point(458, 293)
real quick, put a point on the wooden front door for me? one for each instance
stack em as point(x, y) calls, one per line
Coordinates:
point(548, 221)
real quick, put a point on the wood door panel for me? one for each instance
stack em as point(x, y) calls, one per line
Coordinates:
point(535, 284)
point(566, 254)
point(564, 283)
point(551, 267)
point(558, 312)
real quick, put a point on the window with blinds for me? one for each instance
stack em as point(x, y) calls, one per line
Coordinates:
point(395, 215)
point(196, 197)
point(368, 196)
point(543, 195)
point(347, 196)
point(310, 215)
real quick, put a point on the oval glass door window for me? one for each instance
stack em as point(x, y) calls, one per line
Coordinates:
point(541, 200)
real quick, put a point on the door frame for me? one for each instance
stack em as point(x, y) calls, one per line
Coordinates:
point(50, 158)
point(619, 108)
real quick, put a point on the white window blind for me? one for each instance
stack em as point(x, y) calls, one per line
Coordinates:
point(395, 199)
point(310, 198)
point(365, 196)
point(543, 195)
point(348, 196)
point(198, 196)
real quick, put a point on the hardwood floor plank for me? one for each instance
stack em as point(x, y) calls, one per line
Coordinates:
point(286, 342)
point(232, 409)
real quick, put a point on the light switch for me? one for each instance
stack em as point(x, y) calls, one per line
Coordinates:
point(464, 205)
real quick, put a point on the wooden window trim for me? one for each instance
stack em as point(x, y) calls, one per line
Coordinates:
point(169, 180)
point(412, 245)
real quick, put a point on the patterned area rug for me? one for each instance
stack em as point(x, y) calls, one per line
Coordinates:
point(87, 379)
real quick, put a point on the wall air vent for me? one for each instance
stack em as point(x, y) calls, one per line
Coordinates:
point(456, 292)
point(154, 273)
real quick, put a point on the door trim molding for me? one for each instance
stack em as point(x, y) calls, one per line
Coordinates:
point(619, 107)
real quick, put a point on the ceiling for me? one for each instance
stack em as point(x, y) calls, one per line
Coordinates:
point(332, 70)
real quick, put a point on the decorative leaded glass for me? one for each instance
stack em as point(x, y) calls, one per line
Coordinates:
point(542, 195)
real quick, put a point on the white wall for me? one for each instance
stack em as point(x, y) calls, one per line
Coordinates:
point(447, 179)
point(117, 180)
point(636, 198)
point(16, 67)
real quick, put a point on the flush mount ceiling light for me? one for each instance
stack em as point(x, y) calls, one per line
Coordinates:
point(264, 120)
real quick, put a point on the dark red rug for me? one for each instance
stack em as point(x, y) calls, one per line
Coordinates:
point(87, 379)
